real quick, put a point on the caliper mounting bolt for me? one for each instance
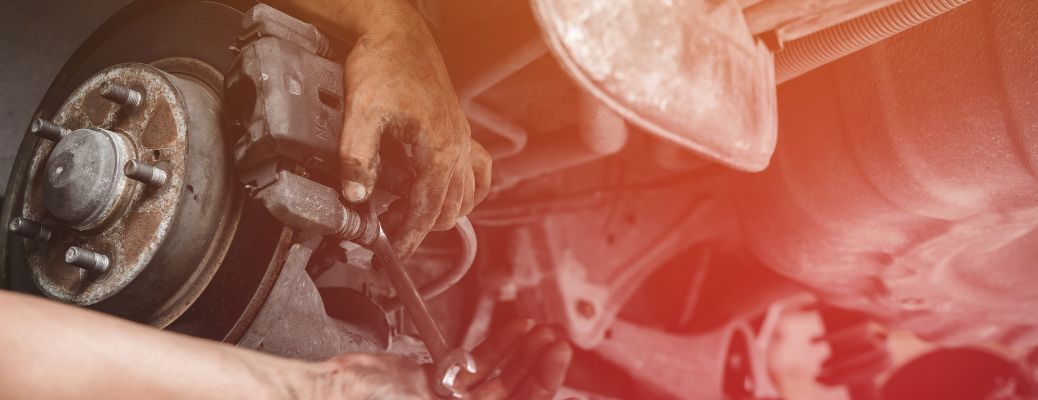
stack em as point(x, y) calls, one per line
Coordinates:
point(123, 95)
point(29, 229)
point(148, 174)
point(86, 259)
point(48, 130)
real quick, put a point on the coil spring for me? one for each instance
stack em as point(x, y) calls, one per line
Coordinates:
point(822, 47)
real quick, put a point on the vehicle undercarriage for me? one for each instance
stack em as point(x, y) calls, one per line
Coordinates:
point(746, 199)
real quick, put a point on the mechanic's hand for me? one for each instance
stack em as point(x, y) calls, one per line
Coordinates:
point(532, 365)
point(397, 87)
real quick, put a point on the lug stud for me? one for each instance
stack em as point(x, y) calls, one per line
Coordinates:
point(48, 130)
point(86, 259)
point(147, 174)
point(29, 229)
point(123, 95)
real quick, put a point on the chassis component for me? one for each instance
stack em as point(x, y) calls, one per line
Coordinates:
point(576, 251)
point(219, 254)
point(286, 98)
point(912, 195)
point(297, 102)
point(80, 188)
point(134, 178)
point(707, 85)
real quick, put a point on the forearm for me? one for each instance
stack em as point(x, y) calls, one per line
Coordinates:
point(53, 351)
point(349, 20)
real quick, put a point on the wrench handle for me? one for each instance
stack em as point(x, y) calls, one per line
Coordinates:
point(409, 296)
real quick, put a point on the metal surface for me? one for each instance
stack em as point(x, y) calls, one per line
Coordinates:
point(29, 229)
point(600, 133)
point(87, 259)
point(442, 283)
point(48, 130)
point(909, 194)
point(216, 304)
point(265, 21)
point(83, 185)
point(518, 153)
point(293, 321)
point(287, 101)
point(448, 361)
point(578, 267)
point(311, 207)
point(514, 136)
point(122, 95)
point(667, 365)
point(689, 71)
point(144, 173)
point(823, 47)
point(793, 19)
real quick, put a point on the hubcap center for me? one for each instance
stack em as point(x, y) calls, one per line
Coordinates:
point(84, 177)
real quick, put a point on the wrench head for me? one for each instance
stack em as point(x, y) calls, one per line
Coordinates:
point(448, 368)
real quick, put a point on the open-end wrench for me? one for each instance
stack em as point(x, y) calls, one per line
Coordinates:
point(273, 43)
point(309, 206)
point(448, 362)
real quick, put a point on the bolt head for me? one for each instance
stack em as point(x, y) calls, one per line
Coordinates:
point(71, 255)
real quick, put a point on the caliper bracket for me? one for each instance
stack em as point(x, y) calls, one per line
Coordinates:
point(285, 101)
point(284, 104)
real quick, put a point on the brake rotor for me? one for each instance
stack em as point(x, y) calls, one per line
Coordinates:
point(131, 206)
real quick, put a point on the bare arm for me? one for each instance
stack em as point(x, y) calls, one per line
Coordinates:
point(349, 20)
point(54, 351)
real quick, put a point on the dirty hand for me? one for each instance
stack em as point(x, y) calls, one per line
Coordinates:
point(532, 364)
point(397, 88)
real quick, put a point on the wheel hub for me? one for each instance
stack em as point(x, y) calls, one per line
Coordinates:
point(85, 179)
point(132, 186)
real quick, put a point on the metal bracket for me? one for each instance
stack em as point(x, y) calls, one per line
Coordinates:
point(284, 99)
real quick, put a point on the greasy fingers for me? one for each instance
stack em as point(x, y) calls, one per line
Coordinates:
point(468, 200)
point(526, 355)
point(358, 153)
point(547, 375)
point(422, 213)
point(492, 353)
point(435, 172)
point(468, 187)
point(453, 201)
point(481, 163)
point(535, 369)
point(397, 87)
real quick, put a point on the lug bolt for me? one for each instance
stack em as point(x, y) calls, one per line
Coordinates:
point(28, 229)
point(48, 130)
point(86, 259)
point(123, 95)
point(148, 174)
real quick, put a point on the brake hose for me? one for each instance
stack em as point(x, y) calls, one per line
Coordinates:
point(805, 54)
point(439, 285)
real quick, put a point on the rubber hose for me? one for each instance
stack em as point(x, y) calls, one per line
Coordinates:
point(443, 282)
point(820, 48)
